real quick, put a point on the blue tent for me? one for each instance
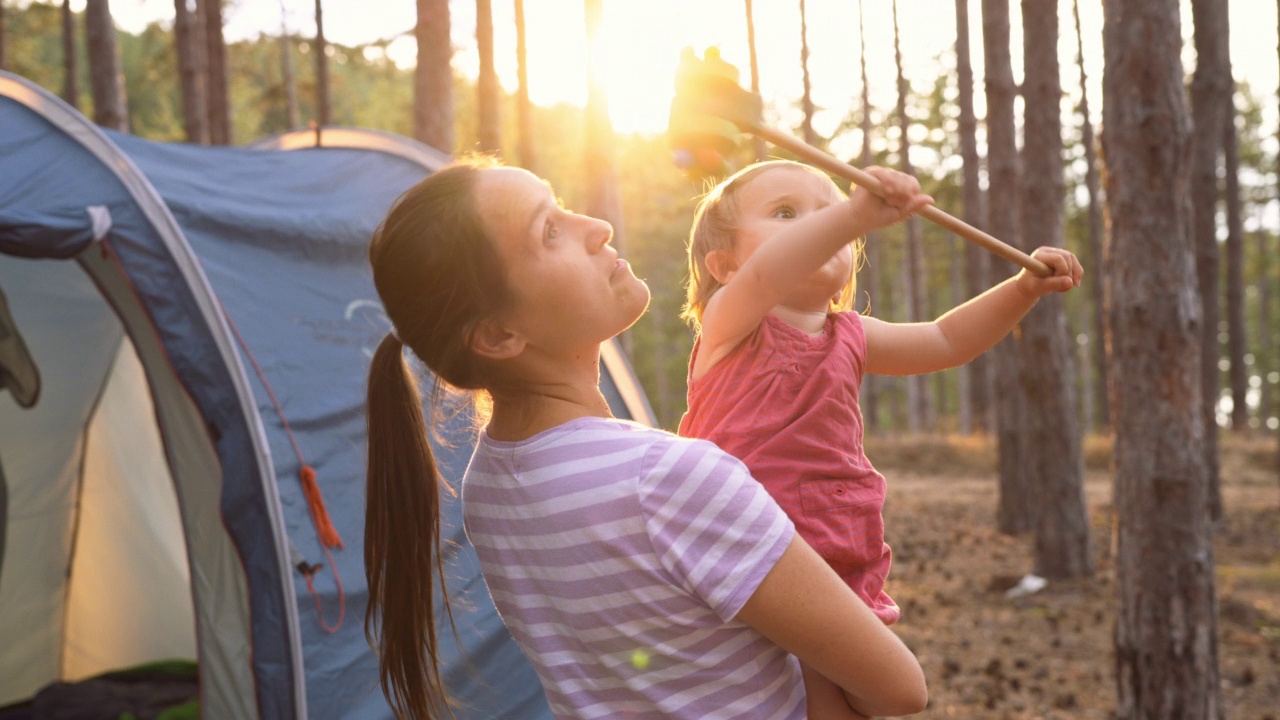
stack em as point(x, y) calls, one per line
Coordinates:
point(182, 330)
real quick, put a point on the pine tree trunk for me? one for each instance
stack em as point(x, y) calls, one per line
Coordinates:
point(488, 108)
point(218, 102)
point(1097, 263)
point(806, 100)
point(70, 80)
point(110, 107)
point(1263, 340)
point(1166, 627)
point(1210, 94)
point(433, 79)
point(1276, 344)
point(323, 114)
point(1014, 514)
point(975, 258)
point(188, 37)
point(603, 198)
point(1235, 276)
point(869, 394)
point(757, 143)
point(918, 410)
point(526, 144)
point(1046, 349)
point(4, 51)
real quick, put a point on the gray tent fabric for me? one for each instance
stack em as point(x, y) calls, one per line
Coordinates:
point(202, 321)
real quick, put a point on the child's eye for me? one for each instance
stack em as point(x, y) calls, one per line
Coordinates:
point(784, 212)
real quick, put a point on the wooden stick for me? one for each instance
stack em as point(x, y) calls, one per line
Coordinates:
point(835, 166)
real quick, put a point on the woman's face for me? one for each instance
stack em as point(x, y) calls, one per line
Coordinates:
point(570, 289)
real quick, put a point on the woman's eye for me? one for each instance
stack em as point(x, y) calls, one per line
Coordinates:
point(785, 213)
point(551, 232)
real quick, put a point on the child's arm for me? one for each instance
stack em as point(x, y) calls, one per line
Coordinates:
point(970, 329)
point(798, 249)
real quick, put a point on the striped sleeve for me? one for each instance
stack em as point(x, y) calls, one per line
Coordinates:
point(713, 527)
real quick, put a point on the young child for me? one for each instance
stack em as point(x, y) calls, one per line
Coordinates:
point(780, 355)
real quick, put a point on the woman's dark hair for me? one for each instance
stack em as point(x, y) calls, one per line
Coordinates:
point(438, 274)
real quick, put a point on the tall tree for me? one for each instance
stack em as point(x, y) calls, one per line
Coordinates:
point(110, 106)
point(292, 115)
point(603, 199)
point(757, 143)
point(70, 79)
point(919, 409)
point(806, 101)
point(871, 384)
point(1235, 274)
point(488, 99)
point(4, 60)
point(322, 69)
point(433, 79)
point(525, 143)
point(218, 98)
point(1097, 267)
point(975, 259)
point(188, 42)
point(1210, 95)
point(1056, 466)
point(1014, 514)
point(1277, 347)
point(1166, 627)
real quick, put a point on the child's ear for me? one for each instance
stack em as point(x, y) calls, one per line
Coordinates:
point(722, 265)
point(495, 341)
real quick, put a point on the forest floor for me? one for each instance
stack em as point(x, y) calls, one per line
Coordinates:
point(1050, 654)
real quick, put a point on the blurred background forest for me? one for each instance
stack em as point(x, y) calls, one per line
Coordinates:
point(272, 92)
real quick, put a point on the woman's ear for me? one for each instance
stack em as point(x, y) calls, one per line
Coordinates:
point(495, 341)
point(722, 265)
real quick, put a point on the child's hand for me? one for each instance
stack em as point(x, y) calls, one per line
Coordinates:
point(902, 198)
point(1067, 273)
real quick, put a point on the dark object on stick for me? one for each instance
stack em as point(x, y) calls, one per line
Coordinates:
point(710, 109)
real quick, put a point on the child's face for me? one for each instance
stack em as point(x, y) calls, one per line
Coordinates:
point(781, 195)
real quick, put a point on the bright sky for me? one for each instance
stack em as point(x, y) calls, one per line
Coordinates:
point(641, 42)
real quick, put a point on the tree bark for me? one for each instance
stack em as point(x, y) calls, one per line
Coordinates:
point(603, 198)
point(323, 115)
point(975, 258)
point(433, 79)
point(488, 100)
point(70, 79)
point(1046, 351)
point(1014, 514)
point(1235, 276)
point(1097, 263)
point(918, 410)
point(806, 100)
point(4, 51)
point(757, 144)
point(526, 144)
point(218, 101)
point(1210, 93)
point(1166, 626)
point(869, 395)
point(110, 107)
point(1264, 329)
point(188, 37)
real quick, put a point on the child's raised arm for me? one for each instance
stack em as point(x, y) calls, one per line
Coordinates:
point(969, 329)
point(754, 285)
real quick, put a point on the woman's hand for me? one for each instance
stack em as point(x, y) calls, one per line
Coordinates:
point(1067, 273)
point(901, 199)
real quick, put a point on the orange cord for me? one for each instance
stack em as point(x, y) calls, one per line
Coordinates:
point(326, 533)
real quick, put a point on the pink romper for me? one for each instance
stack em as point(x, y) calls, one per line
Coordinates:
point(786, 404)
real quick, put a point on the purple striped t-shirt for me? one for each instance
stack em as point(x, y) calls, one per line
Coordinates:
point(618, 557)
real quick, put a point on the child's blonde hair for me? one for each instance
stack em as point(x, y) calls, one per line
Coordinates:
point(715, 227)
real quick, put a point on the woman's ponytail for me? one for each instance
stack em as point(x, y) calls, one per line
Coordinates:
point(402, 538)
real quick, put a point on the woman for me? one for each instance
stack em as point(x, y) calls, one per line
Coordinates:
point(643, 575)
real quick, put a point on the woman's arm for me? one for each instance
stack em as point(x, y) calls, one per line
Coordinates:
point(804, 607)
point(970, 329)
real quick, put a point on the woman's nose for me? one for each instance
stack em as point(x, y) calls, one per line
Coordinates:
point(600, 234)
